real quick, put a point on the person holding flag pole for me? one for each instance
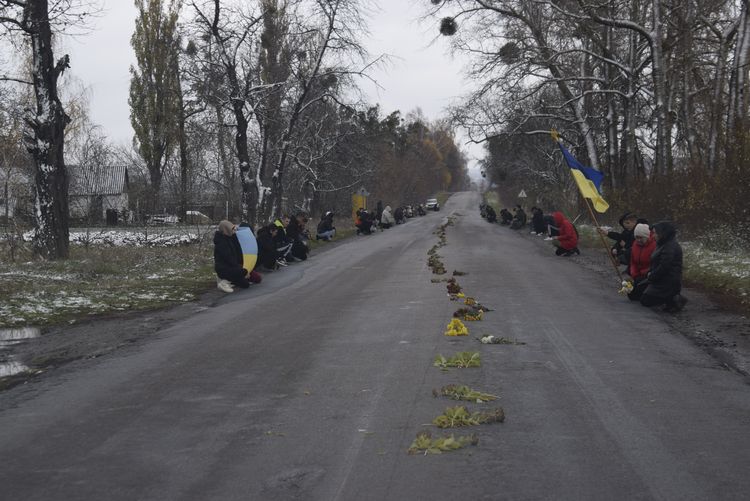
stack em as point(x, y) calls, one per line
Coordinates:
point(589, 182)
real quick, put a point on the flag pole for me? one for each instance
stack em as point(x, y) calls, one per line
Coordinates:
point(556, 138)
point(601, 237)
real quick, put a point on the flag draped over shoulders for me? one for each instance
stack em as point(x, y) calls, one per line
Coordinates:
point(589, 180)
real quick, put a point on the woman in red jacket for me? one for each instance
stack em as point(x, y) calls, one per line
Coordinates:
point(567, 240)
point(640, 259)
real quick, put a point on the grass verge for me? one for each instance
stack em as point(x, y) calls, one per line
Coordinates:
point(719, 271)
point(109, 276)
point(101, 280)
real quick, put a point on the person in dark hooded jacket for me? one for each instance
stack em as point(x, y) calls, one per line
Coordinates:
point(326, 230)
point(505, 216)
point(538, 225)
point(399, 216)
point(491, 215)
point(268, 255)
point(665, 272)
point(363, 222)
point(519, 218)
point(296, 232)
point(228, 259)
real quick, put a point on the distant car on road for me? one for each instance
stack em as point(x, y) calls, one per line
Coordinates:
point(432, 204)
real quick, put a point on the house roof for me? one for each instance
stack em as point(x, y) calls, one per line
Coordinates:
point(98, 180)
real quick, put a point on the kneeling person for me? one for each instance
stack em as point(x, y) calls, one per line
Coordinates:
point(228, 259)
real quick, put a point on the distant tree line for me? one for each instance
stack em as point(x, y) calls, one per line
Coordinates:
point(653, 93)
point(252, 103)
point(258, 99)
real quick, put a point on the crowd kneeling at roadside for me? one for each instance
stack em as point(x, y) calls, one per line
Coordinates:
point(652, 256)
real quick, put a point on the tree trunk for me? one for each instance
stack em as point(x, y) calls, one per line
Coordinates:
point(183, 149)
point(51, 237)
point(223, 158)
point(249, 200)
point(630, 109)
point(277, 176)
point(238, 95)
point(717, 106)
point(738, 96)
point(663, 143)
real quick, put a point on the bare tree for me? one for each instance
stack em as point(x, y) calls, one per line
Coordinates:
point(231, 38)
point(34, 21)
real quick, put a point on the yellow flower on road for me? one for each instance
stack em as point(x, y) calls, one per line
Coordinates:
point(456, 328)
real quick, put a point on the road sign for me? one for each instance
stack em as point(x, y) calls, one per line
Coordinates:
point(522, 194)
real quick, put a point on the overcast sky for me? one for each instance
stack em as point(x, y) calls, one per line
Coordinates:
point(421, 73)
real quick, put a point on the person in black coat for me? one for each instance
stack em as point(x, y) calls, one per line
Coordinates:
point(267, 253)
point(519, 218)
point(399, 216)
point(282, 242)
point(295, 231)
point(228, 256)
point(505, 216)
point(623, 239)
point(538, 225)
point(552, 230)
point(665, 273)
point(490, 214)
point(364, 222)
point(326, 230)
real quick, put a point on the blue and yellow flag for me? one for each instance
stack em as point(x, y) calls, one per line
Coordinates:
point(589, 180)
point(589, 173)
point(588, 190)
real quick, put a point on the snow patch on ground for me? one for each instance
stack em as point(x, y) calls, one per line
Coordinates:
point(135, 237)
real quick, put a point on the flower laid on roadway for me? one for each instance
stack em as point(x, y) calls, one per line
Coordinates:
point(460, 360)
point(425, 442)
point(456, 328)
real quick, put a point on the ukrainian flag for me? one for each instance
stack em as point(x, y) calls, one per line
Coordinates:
point(249, 247)
point(589, 180)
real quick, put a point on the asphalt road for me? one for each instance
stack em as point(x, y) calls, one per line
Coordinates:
point(314, 384)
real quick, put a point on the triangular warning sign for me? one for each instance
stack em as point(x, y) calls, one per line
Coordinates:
point(522, 194)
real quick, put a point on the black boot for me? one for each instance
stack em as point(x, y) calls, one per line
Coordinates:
point(676, 304)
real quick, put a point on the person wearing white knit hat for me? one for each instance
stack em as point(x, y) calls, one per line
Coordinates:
point(640, 260)
point(641, 230)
